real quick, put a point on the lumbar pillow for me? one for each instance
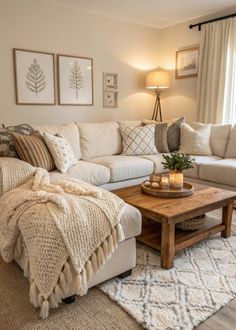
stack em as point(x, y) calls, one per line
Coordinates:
point(61, 151)
point(13, 173)
point(33, 150)
point(7, 148)
point(167, 134)
point(138, 140)
point(195, 139)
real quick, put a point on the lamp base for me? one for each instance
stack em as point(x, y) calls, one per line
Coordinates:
point(157, 106)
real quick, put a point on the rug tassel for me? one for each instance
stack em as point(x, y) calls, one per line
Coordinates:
point(34, 294)
point(44, 309)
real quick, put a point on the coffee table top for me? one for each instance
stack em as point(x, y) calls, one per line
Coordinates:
point(204, 199)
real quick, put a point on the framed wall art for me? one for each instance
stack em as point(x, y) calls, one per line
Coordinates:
point(187, 63)
point(34, 77)
point(110, 99)
point(75, 80)
point(110, 81)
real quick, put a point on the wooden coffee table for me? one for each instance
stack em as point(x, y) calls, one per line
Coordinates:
point(161, 214)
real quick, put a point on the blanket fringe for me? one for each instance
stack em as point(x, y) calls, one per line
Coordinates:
point(18, 247)
point(95, 263)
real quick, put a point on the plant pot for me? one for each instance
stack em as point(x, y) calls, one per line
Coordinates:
point(176, 179)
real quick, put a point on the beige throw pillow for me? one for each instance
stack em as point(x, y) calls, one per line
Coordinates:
point(195, 139)
point(138, 140)
point(61, 151)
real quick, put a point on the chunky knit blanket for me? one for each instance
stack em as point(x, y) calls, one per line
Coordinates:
point(65, 224)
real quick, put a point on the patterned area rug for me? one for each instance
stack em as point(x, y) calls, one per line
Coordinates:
point(202, 281)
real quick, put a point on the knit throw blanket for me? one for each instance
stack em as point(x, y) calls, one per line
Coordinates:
point(63, 224)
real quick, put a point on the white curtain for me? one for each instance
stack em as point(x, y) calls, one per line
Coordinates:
point(217, 73)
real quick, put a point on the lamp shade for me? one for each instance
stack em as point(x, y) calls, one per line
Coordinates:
point(159, 79)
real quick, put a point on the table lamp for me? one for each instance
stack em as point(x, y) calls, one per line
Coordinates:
point(157, 80)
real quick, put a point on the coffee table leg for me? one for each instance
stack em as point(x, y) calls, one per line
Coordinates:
point(227, 219)
point(167, 245)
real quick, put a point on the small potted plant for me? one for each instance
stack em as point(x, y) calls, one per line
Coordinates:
point(176, 163)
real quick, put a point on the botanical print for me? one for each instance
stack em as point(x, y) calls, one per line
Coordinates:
point(187, 63)
point(76, 78)
point(110, 81)
point(110, 99)
point(35, 79)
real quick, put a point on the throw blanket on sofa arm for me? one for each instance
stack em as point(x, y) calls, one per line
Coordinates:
point(63, 224)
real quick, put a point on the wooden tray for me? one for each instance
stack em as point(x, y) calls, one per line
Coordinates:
point(187, 190)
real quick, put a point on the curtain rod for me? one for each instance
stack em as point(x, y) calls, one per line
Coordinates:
point(211, 20)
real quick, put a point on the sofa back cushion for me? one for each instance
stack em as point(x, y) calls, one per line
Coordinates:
point(69, 131)
point(219, 139)
point(231, 148)
point(99, 139)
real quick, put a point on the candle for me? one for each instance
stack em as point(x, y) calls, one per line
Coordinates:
point(176, 180)
point(165, 182)
point(155, 177)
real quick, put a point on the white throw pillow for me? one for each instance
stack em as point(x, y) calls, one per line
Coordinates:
point(61, 151)
point(195, 139)
point(138, 140)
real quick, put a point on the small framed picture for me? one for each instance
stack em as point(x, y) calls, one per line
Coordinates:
point(34, 77)
point(110, 99)
point(187, 63)
point(110, 81)
point(75, 80)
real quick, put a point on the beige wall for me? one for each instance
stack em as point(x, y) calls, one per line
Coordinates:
point(115, 46)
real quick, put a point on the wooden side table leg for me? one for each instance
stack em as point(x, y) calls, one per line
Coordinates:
point(167, 245)
point(227, 219)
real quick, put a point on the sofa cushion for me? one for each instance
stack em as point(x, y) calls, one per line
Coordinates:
point(130, 123)
point(156, 159)
point(125, 167)
point(219, 139)
point(231, 149)
point(92, 173)
point(195, 139)
point(222, 171)
point(138, 140)
point(99, 139)
point(194, 172)
point(69, 131)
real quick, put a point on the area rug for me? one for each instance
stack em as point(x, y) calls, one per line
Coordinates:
point(202, 281)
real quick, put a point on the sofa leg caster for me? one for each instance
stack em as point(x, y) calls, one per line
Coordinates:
point(125, 274)
point(69, 300)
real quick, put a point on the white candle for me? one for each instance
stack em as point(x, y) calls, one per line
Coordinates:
point(176, 180)
point(165, 182)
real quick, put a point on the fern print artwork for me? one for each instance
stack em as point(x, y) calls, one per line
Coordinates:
point(35, 78)
point(76, 79)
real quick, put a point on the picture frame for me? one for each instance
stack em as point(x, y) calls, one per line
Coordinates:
point(34, 76)
point(187, 63)
point(75, 80)
point(110, 99)
point(110, 81)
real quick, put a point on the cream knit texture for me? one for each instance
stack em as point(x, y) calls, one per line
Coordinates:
point(63, 224)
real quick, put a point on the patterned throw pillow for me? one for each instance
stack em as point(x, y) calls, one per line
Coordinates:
point(33, 150)
point(167, 134)
point(7, 148)
point(138, 140)
point(61, 151)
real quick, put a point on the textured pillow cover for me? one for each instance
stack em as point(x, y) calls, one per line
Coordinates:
point(138, 140)
point(195, 139)
point(33, 150)
point(167, 134)
point(61, 151)
point(13, 173)
point(7, 148)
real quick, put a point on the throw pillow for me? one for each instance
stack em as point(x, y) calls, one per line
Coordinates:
point(167, 134)
point(195, 139)
point(33, 150)
point(61, 151)
point(7, 148)
point(138, 140)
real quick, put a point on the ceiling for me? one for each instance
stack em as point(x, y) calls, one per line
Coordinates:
point(153, 13)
